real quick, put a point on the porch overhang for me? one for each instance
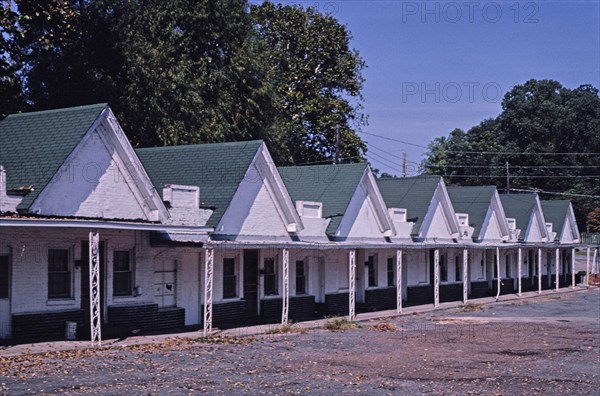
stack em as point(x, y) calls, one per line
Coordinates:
point(101, 225)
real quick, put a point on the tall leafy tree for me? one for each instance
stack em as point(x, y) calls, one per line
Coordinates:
point(11, 97)
point(540, 121)
point(317, 83)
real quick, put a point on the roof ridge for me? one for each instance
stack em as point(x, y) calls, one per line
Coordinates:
point(60, 110)
point(353, 164)
point(197, 145)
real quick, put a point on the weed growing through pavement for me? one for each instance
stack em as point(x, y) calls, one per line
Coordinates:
point(341, 324)
point(286, 329)
point(472, 307)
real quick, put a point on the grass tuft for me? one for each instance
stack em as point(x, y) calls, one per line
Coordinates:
point(341, 324)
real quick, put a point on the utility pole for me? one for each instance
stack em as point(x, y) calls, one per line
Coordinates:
point(507, 178)
point(337, 145)
point(404, 163)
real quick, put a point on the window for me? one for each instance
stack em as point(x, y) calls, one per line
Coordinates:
point(507, 269)
point(300, 277)
point(457, 269)
point(59, 274)
point(371, 271)
point(4, 277)
point(391, 278)
point(270, 277)
point(443, 268)
point(229, 278)
point(122, 273)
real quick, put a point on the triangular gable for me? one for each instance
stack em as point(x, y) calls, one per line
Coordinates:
point(261, 206)
point(440, 221)
point(560, 214)
point(366, 216)
point(495, 225)
point(102, 178)
point(536, 229)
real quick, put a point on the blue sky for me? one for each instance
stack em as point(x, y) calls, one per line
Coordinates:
point(438, 65)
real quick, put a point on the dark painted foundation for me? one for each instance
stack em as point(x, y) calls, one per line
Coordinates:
point(479, 289)
point(301, 308)
point(451, 292)
point(419, 295)
point(337, 304)
point(46, 326)
point(378, 299)
point(145, 317)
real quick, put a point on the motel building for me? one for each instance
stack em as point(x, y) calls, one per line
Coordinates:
point(117, 239)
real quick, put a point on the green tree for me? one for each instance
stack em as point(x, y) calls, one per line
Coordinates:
point(593, 220)
point(540, 120)
point(11, 97)
point(317, 83)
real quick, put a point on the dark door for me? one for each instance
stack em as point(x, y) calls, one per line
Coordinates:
point(251, 282)
point(431, 267)
point(85, 280)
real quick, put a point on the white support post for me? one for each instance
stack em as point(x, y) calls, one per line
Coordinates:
point(209, 263)
point(498, 281)
point(539, 271)
point(587, 268)
point(573, 268)
point(519, 270)
point(352, 283)
point(465, 275)
point(399, 281)
point(286, 287)
point(95, 312)
point(436, 278)
point(595, 262)
point(556, 270)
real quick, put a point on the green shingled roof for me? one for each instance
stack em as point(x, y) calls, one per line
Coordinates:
point(333, 185)
point(519, 207)
point(34, 145)
point(556, 212)
point(473, 200)
point(411, 193)
point(218, 169)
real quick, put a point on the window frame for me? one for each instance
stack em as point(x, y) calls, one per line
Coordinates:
point(371, 265)
point(233, 276)
point(303, 277)
point(117, 274)
point(67, 274)
point(270, 278)
point(443, 268)
point(458, 268)
point(391, 272)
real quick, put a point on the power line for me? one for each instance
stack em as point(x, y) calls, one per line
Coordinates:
point(514, 166)
point(537, 190)
point(476, 152)
point(532, 176)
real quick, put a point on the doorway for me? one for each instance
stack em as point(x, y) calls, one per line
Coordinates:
point(5, 296)
point(251, 282)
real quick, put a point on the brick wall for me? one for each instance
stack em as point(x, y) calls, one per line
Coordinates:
point(301, 307)
point(417, 295)
point(451, 292)
point(147, 317)
point(43, 326)
point(337, 304)
point(380, 299)
point(479, 289)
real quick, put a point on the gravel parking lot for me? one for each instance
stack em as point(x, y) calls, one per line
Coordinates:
point(542, 345)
